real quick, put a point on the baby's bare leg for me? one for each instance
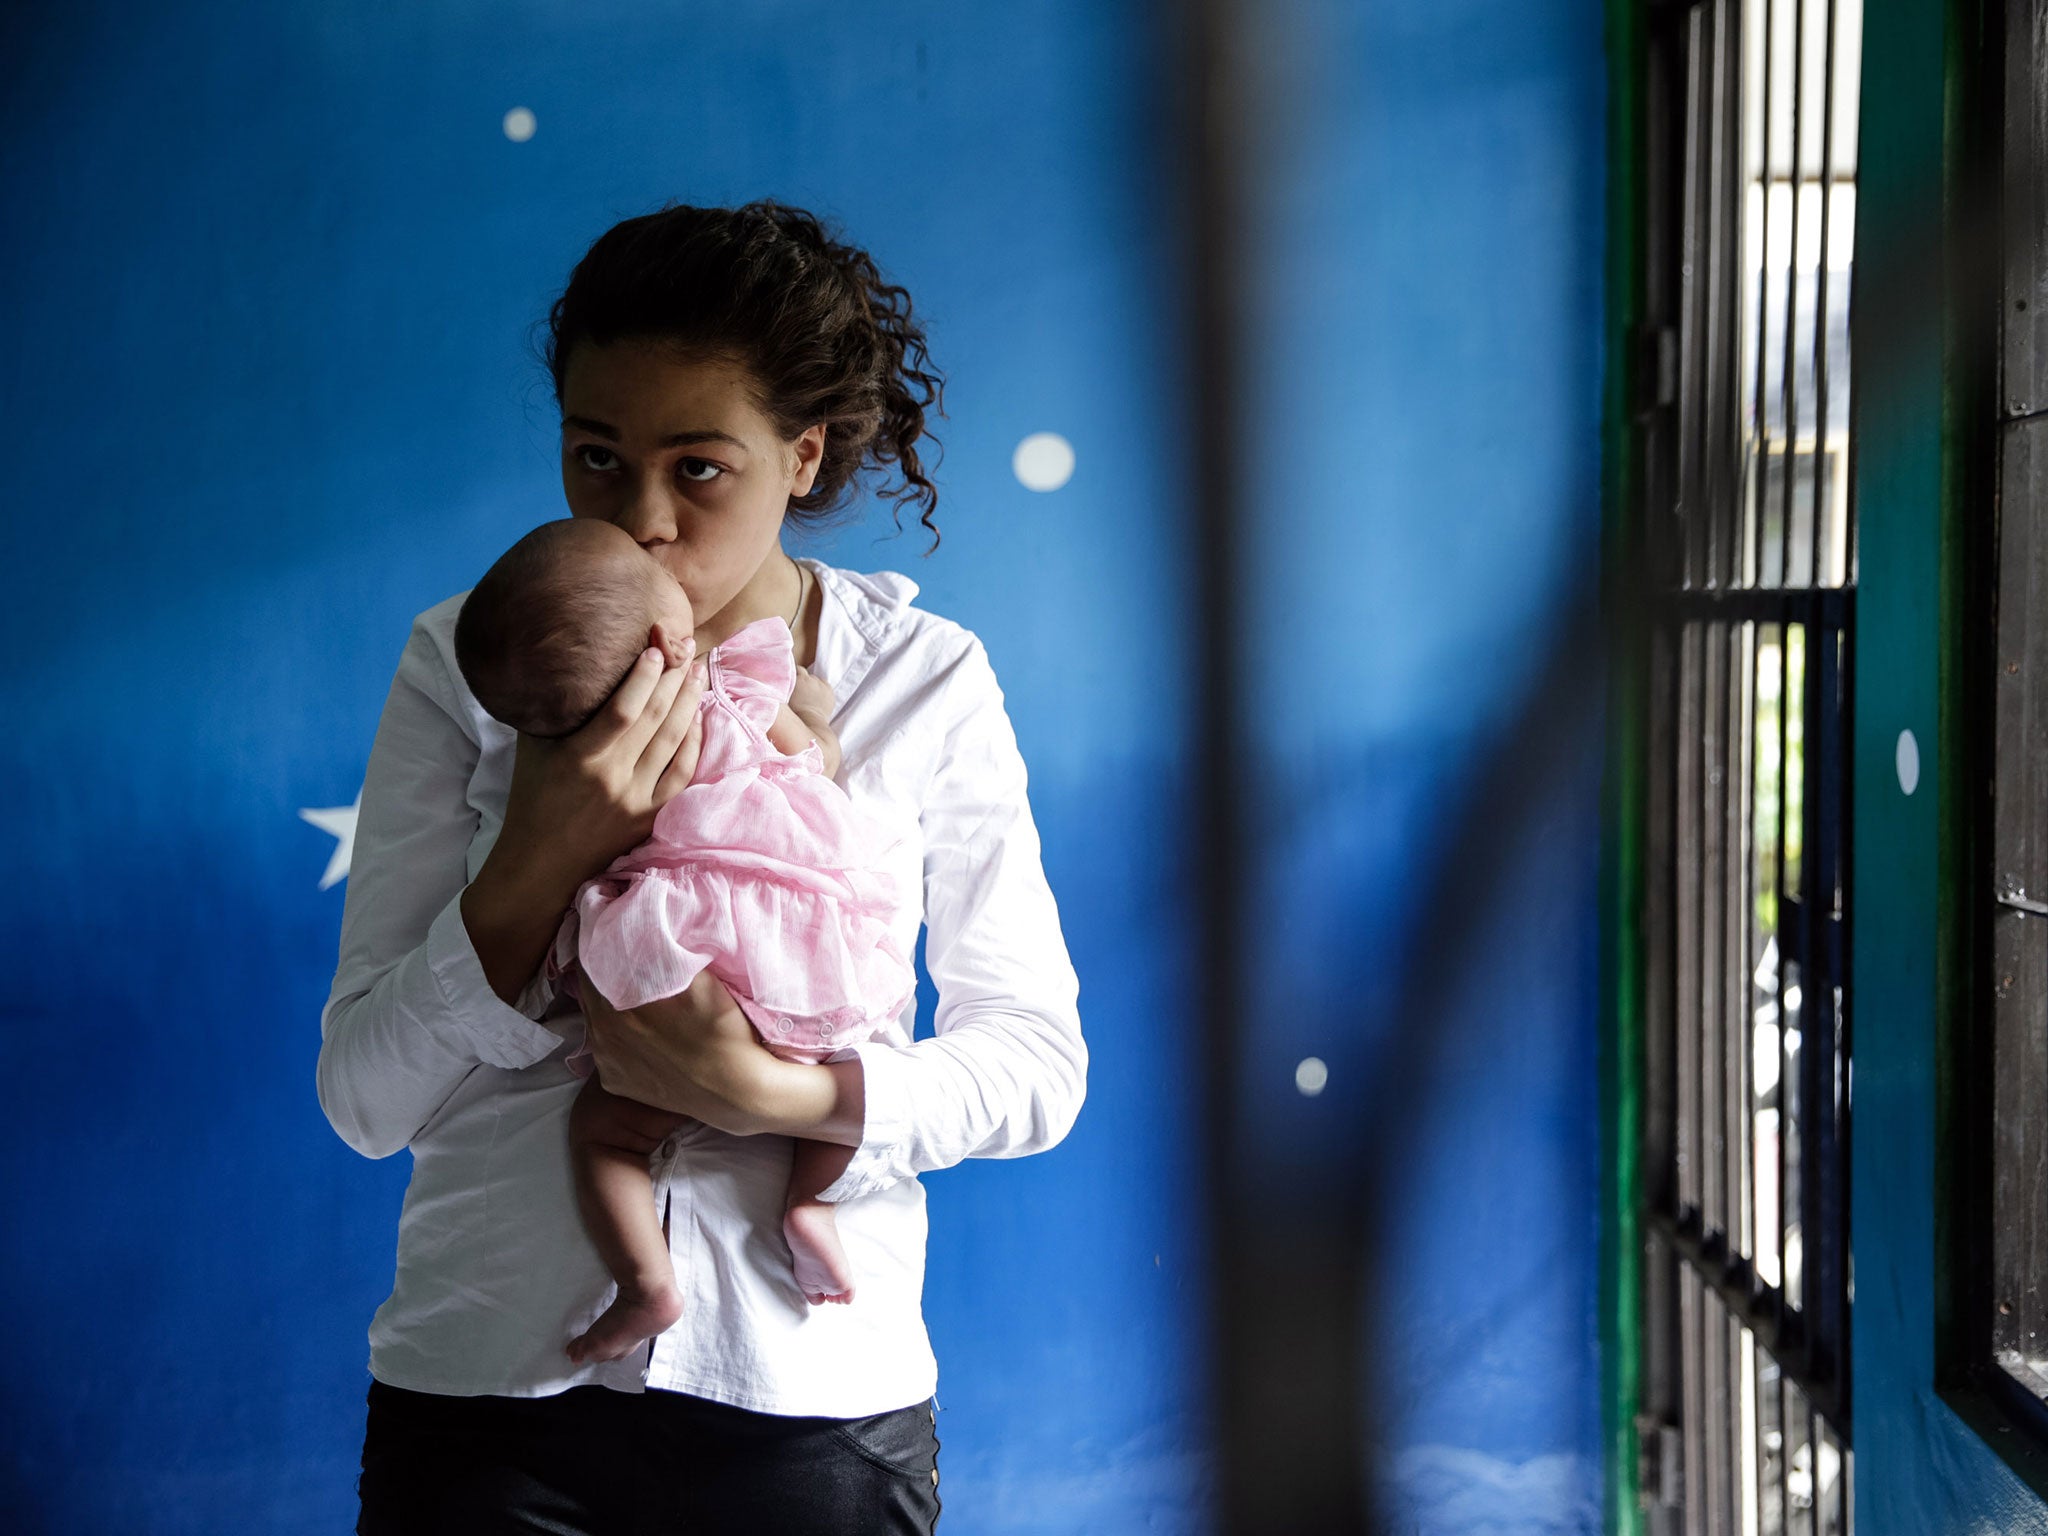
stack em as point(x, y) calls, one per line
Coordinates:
point(810, 1227)
point(610, 1140)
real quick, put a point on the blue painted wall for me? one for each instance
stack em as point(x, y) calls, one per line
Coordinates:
point(1429, 253)
point(269, 287)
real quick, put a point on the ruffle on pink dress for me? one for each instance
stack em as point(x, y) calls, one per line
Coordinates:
point(760, 870)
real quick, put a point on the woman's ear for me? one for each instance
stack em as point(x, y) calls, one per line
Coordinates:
point(810, 458)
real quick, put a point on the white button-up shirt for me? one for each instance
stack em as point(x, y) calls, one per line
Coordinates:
point(494, 1273)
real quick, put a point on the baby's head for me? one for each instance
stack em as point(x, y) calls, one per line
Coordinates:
point(553, 626)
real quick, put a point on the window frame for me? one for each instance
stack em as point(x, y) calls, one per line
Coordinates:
point(1992, 1224)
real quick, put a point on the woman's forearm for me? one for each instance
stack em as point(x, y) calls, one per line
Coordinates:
point(846, 1122)
point(512, 915)
point(749, 1092)
point(819, 1103)
point(733, 1084)
point(695, 1054)
point(573, 805)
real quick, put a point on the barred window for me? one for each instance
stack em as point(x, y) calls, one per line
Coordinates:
point(1749, 210)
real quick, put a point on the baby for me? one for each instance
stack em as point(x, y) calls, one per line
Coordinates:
point(760, 870)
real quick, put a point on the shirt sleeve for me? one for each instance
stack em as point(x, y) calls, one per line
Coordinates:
point(411, 1013)
point(1006, 1070)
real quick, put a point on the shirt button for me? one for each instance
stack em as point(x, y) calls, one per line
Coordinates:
point(783, 1025)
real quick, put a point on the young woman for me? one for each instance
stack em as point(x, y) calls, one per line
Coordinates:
point(720, 371)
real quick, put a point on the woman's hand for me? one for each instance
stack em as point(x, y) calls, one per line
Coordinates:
point(576, 804)
point(695, 1054)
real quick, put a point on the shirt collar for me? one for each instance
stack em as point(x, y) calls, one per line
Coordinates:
point(860, 610)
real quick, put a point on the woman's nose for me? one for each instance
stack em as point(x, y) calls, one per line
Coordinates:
point(650, 516)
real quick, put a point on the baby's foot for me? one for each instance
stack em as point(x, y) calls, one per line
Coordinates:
point(822, 1271)
point(637, 1316)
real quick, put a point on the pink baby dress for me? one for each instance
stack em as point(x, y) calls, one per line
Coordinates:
point(760, 869)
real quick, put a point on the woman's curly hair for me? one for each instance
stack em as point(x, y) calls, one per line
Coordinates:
point(810, 316)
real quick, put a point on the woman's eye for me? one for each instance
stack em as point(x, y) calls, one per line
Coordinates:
point(698, 471)
point(589, 453)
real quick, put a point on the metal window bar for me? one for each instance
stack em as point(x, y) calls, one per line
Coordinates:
point(1747, 1295)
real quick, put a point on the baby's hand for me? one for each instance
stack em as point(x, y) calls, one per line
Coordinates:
point(811, 697)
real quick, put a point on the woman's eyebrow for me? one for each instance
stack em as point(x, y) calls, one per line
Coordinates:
point(673, 440)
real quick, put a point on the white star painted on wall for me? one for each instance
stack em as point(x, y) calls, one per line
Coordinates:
point(340, 822)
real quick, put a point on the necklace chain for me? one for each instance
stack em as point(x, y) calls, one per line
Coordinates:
point(796, 614)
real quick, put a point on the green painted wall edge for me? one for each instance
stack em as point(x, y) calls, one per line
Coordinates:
point(1621, 1088)
point(1920, 1468)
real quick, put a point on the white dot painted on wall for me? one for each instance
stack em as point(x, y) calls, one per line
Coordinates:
point(1044, 461)
point(1311, 1076)
point(519, 125)
point(1909, 762)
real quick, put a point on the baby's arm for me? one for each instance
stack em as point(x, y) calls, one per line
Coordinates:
point(806, 718)
point(791, 733)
